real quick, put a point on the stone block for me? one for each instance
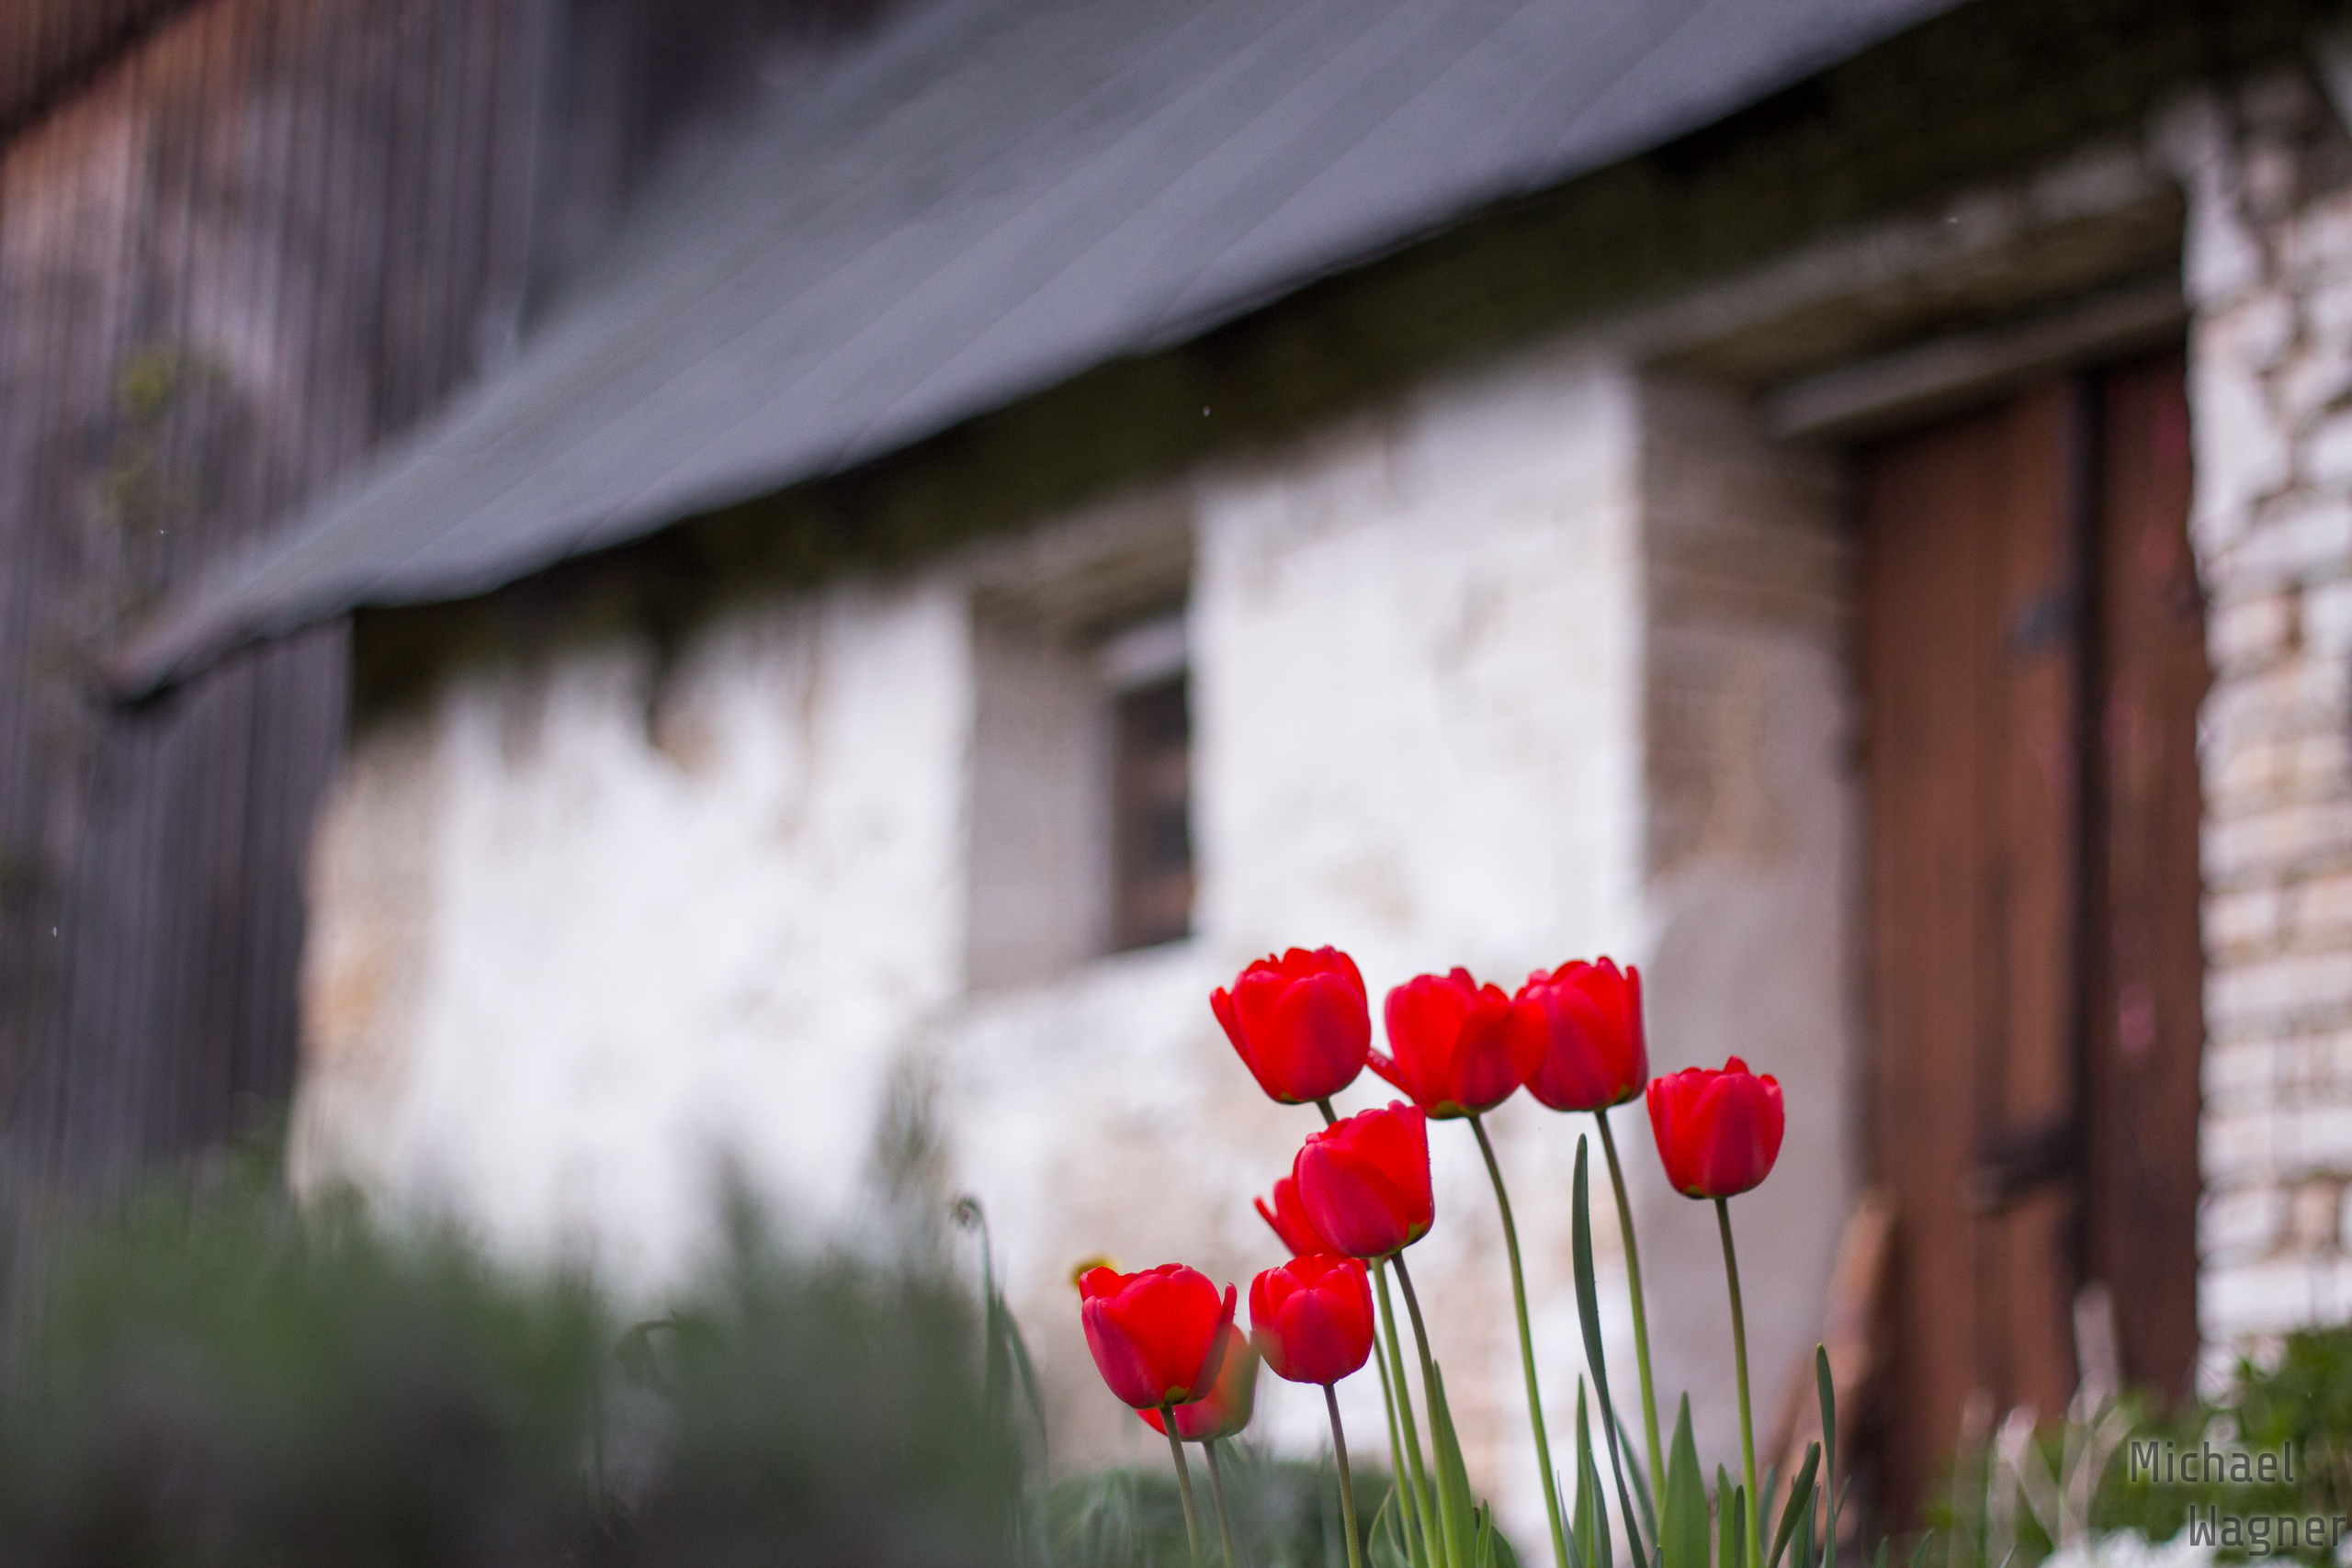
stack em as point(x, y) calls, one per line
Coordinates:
point(2297, 538)
point(2324, 618)
point(2238, 1147)
point(2326, 459)
point(2293, 840)
point(2319, 763)
point(2320, 914)
point(2247, 776)
point(2247, 633)
point(2240, 1073)
point(2289, 986)
point(2295, 696)
point(2272, 1296)
point(2314, 1140)
point(2250, 337)
point(2314, 1210)
point(2239, 1224)
point(2242, 452)
point(2246, 922)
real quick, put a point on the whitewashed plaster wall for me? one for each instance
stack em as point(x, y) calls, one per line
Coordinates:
point(581, 926)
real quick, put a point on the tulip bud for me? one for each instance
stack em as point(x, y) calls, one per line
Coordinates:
point(1300, 1022)
point(1718, 1132)
point(1581, 1025)
point(1155, 1334)
point(1311, 1318)
point(1364, 1180)
point(1226, 1409)
point(1288, 1216)
point(1453, 1049)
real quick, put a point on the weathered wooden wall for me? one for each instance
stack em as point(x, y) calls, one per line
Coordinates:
point(236, 257)
point(236, 254)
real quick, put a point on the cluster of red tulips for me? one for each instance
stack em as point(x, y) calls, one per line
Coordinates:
point(1358, 1195)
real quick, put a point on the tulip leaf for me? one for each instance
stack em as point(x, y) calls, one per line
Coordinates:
point(1452, 1476)
point(1726, 1523)
point(1391, 1544)
point(1591, 1530)
point(1920, 1557)
point(1494, 1550)
point(1827, 1388)
point(1645, 1497)
point(1682, 1525)
point(1588, 1312)
point(1799, 1497)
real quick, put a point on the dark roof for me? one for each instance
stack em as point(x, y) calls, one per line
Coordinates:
point(985, 198)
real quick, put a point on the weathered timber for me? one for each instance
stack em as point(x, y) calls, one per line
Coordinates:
point(241, 243)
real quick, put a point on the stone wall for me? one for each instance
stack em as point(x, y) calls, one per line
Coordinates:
point(2269, 273)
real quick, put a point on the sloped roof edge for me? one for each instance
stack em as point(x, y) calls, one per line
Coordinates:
point(987, 198)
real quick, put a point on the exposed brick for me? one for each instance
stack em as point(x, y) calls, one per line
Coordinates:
point(2240, 1072)
point(2302, 837)
point(2314, 1215)
point(2321, 914)
point(2273, 1296)
point(2325, 616)
point(2236, 1225)
point(2296, 984)
point(2241, 454)
point(2328, 452)
point(2313, 1139)
point(2237, 1146)
point(2252, 631)
point(2306, 534)
point(2245, 921)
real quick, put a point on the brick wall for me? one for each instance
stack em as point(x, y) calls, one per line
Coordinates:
point(2268, 167)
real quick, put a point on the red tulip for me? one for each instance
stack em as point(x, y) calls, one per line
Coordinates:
point(1582, 1025)
point(1364, 1180)
point(1311, 1318)
point(1288, 1216)
point(1226, 1411)
point(1718, 1134)
point(1155, 1334)
point(1300, 1022)
point(1455, 1054)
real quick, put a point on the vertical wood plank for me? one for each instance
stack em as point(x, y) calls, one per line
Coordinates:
point(1970, 679)
point(2146, 1017)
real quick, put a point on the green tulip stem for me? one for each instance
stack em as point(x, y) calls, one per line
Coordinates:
point(1641, 1309)
point(1526, 1346)
point(1739, 1361)
point(1414, 1486)
point(1224, 1519)
point(1403, 1440)
point(1183, 1480)
point(1447, 1524)
point(1347, 1482)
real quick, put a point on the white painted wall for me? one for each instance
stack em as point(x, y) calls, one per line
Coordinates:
point(577, 929)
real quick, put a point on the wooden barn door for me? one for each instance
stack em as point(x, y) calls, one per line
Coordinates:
point(2034, 657)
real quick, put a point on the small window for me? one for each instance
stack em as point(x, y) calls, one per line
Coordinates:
point(1151, 783)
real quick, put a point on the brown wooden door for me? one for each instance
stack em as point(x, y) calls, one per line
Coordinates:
point(2032, 661)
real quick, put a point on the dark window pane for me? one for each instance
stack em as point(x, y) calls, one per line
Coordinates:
point(1151, 815)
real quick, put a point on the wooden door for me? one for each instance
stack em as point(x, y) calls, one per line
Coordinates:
point(2032, 661)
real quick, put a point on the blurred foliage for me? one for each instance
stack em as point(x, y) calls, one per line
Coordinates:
point(2297, 1400)
point(1285, 1512)
point(228, 1381)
